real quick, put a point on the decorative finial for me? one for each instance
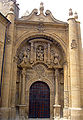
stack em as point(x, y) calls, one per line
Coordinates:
point(75, 15)
point(70, 12)
point(41, 8)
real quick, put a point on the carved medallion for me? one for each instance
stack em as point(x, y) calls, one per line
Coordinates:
point(40, 27)
point(73, 44)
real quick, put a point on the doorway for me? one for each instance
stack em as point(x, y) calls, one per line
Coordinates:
point(39, 100)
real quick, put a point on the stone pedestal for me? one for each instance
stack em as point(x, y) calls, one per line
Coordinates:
point(65, 113)
point(22, 110)
point(57, 111)
point(76, 113)
point(4, 113)
point(12, 113)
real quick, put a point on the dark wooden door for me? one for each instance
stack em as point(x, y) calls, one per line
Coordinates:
point(39, 100)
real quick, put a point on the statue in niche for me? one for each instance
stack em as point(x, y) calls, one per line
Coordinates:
point(56, 59)
point(25, 57)
point(40, 53)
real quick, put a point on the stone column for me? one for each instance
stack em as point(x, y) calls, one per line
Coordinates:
point(66, 94)
point(57, 87)
point(31, 57)
point(74, 70)
point(23, 87)
point(23, 106)
point(48, 53)
point(45, 54)
point(56, 106)
point(20, 89)
point(81, 61)
point(13, 88)
point(1, 58)
point(6, 85)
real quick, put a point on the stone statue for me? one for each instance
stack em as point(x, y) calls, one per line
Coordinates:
point(56, 59)
point(25, 57)
point(40, 53)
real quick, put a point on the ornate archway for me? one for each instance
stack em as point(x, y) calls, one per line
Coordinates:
point(39, 100)
point(33, 55)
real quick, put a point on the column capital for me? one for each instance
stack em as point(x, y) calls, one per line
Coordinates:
point(56, 72)
point(15, 59)
point(23, 71)
point(65, 63)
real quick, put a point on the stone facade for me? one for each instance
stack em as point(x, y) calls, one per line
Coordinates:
point(38, 47)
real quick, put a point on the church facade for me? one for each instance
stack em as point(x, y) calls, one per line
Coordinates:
point(41, 65)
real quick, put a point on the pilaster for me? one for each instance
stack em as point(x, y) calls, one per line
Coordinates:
point(56, 105)
point(48, 53)
point(31, 57)
point(22, 106)
point(74, 70)
point(7, 76)
point(66, 93)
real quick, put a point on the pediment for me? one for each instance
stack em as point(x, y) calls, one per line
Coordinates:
point(41, 17)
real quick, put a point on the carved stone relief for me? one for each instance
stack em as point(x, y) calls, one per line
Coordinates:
point(55, 57)
point(40, 53)
point(21, 53)
point(73, 44)
point(66, 99)
point(41, 27)
point(38, 72)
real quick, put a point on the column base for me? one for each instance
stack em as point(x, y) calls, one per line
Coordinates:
point(4, 113)
point(56, 111)
point(12, 114)
point(76, 113)
point(22, 109)
point(65, 113)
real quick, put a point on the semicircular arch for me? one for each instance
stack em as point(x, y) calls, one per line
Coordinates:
point(47, 81)
point(29, 35)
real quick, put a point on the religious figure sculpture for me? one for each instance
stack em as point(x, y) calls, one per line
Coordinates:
point(40, 53)
point(25, 57)
point(56, 59)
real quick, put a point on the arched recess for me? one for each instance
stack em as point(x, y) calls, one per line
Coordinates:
point(51, 87)
point(55, 40)
point(30, 35)
point(49, 38)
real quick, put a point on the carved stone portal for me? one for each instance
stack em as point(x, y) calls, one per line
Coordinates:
point(39, 58)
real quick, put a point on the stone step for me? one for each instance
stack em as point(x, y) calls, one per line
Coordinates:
point(23, 118)
point(38, 119)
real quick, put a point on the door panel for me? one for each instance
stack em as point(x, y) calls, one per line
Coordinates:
point(39, 100)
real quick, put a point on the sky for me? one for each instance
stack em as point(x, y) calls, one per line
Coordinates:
point(59, 8)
